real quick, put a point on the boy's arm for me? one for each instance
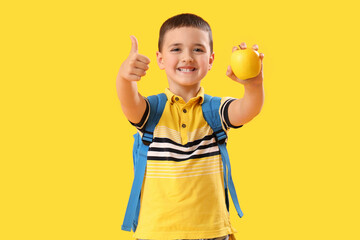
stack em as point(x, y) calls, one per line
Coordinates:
point(132, 69)
point(245, 109)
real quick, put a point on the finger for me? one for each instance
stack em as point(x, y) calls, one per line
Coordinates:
point(143, 58)
point(133, 77)
point(139, 72)
point(255, 47)
point(141, 65)
point(235, 48)
point(242, 45)
point(261, 59)
point(134, 44)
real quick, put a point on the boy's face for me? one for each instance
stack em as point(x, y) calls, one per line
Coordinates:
point(185, 56)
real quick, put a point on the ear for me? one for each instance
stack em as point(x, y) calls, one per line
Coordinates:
point(211, 60)
point(160, 60)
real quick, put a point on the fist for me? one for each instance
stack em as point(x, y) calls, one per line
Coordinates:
point(136, 65)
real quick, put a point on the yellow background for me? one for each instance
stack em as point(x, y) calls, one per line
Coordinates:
point(66, 166)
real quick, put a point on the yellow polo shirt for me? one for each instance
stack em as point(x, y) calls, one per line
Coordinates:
point(183, 194)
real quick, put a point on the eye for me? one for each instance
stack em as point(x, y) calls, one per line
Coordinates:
point(198, 50)
point(175, 50)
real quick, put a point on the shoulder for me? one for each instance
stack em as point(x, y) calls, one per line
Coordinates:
point(155, 105)
point(218, 102)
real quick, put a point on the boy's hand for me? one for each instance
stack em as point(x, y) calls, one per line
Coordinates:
point(255, 80)
point(136, 65)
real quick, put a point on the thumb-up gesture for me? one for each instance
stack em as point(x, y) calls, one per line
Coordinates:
point(136, 65)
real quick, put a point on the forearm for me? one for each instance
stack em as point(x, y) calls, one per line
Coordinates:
point(245, 109)
point(132, 102)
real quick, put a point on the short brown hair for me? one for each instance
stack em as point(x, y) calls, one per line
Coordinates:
point(185, 20)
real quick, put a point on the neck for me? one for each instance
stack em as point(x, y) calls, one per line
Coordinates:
point(186, 92)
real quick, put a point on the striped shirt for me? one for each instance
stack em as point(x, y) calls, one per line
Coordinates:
point(183, 194)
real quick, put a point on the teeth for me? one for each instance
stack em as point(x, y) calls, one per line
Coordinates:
point(186, 70)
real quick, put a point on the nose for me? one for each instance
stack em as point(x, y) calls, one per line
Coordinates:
point(187, 57)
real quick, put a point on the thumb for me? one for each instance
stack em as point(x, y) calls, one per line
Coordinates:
point(230, 73)
point(134, 44)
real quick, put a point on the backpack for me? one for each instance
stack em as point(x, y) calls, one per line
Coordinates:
point(210, 109)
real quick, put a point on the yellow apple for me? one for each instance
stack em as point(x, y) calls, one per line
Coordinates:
point(245, 63)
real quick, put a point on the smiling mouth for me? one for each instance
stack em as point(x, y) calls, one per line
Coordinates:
point(186, 69)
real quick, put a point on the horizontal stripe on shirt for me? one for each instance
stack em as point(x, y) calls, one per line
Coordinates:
point(168, 158)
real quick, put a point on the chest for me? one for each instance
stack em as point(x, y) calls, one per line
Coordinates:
point(182, 123)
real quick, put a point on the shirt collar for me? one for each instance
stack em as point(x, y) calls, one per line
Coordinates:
point(174, 98)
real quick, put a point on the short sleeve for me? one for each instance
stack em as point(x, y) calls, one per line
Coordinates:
point(141, 125)
point(224, 113)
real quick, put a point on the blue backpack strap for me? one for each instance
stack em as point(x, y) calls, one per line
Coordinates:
point(141, 147)
point(210, 108)
point(157, 105)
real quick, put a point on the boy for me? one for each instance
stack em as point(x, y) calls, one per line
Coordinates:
point(182, 195)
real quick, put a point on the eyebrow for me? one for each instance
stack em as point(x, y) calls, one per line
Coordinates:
point(180, 44)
